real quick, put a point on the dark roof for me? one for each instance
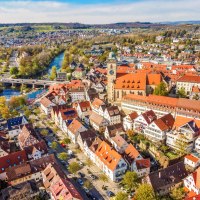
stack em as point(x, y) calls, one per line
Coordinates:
point(41, 146)
point(17, 121)
point(113, 129)
point(88, 136)
point(113, 111)
point(21, 191)
point(167, 177)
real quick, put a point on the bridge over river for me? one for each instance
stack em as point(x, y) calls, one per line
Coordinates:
point(32, 82)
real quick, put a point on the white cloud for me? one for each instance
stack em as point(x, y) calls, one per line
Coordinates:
point(53, 11)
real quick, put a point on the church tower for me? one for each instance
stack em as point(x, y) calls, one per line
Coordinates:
point(111, 76)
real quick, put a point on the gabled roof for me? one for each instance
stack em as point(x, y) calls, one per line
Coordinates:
point(192, 158)
point(12, 159)
point(131, 153)
point(97, 103)
point(75, 126)
point(143, 163)
point(45, 102)
point(108, 155)
point(165, 123)
point(149, 116)
point(84, 106)
point(88, 137)
point(115, 128)
point(133, 115)
point(135, 81)
point(168, 177)
point(97, 119)
point(40, 146)
point(68, 114)
point(113, 111)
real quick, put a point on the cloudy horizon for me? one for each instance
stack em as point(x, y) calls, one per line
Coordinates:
point(93, 12)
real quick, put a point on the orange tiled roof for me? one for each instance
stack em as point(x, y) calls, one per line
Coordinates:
point(187, 78)
point(192, 158)
point(154, 79)
point(132, 152)
point(74, 126)
point(108, 155)
point(131, 82)
point(180, 121)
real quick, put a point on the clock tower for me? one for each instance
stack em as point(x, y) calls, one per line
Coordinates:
point(111, 76)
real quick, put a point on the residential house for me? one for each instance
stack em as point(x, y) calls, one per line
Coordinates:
point(27, 136)
point(142, 167)
point(74, 129)
point(197, 144)
point(83, 109)
point(6, 147)
point(144, 120)
point(11, 160)
point(113, 130)
point(98, 122)
point(58, 185)
point(188, 82)
point(110, 162)
point(130, 155)
point(98, 106)
point(13, 125)
point(128, 121)
point(85, 139)
point(46, 105)
point(23, 191)
point(112, 115)
point(98, 86)
point(77, 94)
point(164, 180)
point(183, 137)
point(37, 150)
point(31, 170)
point(119, 143)
point(65, 117)
point(90, 149)
point(157, 130)
point(192, 183)
point(192, 161)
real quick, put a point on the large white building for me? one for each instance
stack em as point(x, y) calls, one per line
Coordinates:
point(188, 83)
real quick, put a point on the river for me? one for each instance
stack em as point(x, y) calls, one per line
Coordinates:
point(8, 93)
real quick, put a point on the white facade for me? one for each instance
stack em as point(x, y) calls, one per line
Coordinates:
point(77, 96)
point(187, 86)
point(116, 119)
point(154, 132)
point(197, 144)
point(189, 183)
point(193, 163)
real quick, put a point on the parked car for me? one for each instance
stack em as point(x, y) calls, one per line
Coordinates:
point(81, 174)
point(91, 196)
point(93, 177)
point(110, 193)
point(86, 190)
point(80, 181)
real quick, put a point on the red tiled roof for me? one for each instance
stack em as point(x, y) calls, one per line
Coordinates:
point(143, 163)
point(192, 79)
point(192, 158)
point(108, 155)
point(12, 159)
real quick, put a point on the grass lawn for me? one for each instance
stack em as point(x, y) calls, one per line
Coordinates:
point(171, 155)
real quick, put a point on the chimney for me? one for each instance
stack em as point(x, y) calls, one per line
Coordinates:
point(159, 174)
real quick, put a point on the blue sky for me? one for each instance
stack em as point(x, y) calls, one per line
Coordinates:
point(95, 11)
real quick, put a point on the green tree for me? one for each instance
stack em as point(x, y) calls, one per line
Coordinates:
point(177, 194)
point(74, 167)
point(145, 192)
point(54, 145)
point(44, 132)
point(53, 73)
point(27, 113)
point(5, 112)
point(63, 156)
point(130, 180)
point(66, 140)
point(89, 163)
point(14, 71)
point(182, 93)
point(88, 185)
point(103, 178)
point(161, 89)
point(121, 196)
